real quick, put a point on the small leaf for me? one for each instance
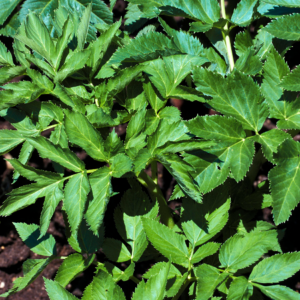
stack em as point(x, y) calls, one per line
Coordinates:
point(204, 251)
point(291, 81)
point(240, 288)
point(9, 140)
point(242, 15)
point(30, 234)
point(120, 164)
point(5, 56)
point(115, 250)
point(278, 292)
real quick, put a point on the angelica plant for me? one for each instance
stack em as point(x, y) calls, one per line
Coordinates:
point(97, 77)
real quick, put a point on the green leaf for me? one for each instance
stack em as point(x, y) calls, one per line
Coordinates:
point(237, 96)
point(204, 251)
point(208, 278)
point(71, 267)
point(37, 32)
point(9, 73)
point(287, 3)
point(30, 234)
point(83, 27)
point(120, 164)
point(249, 63)
point(154, 288)
point(9, 140)
point(239, 251)
point(284, 180)
point(32, 268)
point(181, 171)
point(291, 81)
point(278, 292)
point(103, 287)
point(286, 28)
point(75, 61)
point(100, 182)
point(243, 42)
point(276, 268)
point(201, 222)
point(117, 273)
point(128, 219)
point(7, 8)
point(240, 289)
point(83, 134)
point(242, 15)
point(115, 250)
point(146, 47)
point(113, 145)
point(76, 191)
point(41, 81)
point(270, 141)
point(56, 291)
point(62, 156)
point(155, 269)
point(52, 199)
point(167, 242)
point(5, 56)
point(168, 73)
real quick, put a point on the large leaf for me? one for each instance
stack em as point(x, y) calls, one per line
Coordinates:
point(286, 28)
point(237, 96)
point(30, 234)
point(103, 287)
point(83, 134)
point(56, 291)
point(9, 140)
point(154, 288)
point(100, 182)
point(242, 15)
point(76, 191)
point(7, 8)
point(167, 242)
point(278, 292)
point(276, 268)
point(285, 180)
point(72, 266)
point(287, 3)
point(62, 156)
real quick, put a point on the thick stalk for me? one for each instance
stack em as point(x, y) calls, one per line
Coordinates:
point(226, 37)
point(156, 194)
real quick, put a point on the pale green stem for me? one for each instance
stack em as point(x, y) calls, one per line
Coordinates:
point(226, 37)
point(156, 195)
point(91, 171)
point(49, 127)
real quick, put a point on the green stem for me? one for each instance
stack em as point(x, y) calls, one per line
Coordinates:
point(156, 194)
point(182, 289)
point(154, 171)
point(91, 171)
point(226, 37)
point(49, 127)
point(134, 279)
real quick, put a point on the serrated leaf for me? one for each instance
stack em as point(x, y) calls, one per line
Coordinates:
point(74, 62)
point(100, 182)
point(135, 204)
point(146, 47)
point(208, 278)
point(278, 292)
point(155, 269)
point(240, 289)
point(115, 250)
point(154, 288)
point(181, 171)
point(287, 3)
point(201, 222)
point(249, 63)
point(83, 27)
point(34, 268)
point(291, 81)
point(167, 242)
point(237, 96)
point(120, 164)
point(71, 267)
point(270, 141)
point(9, 140)
point(103, 287)
point(284, 180)
point(5, 56)
point(243, 42)
point(9, 73)
point(56, 291)
point(7, 9)
point(240, 251)
point(113, 145)
point(30, 234)
point(276, 268)
point(83, 134)
point(62, 156)
point(76, 191)
point(167, 73)
point(242, 15)
point(204, 251)
point(286, 28)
